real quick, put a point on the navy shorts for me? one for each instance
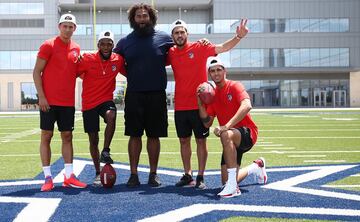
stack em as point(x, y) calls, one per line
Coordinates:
point(62, 115)
point(187, 121)
point(245, 145)
point(146, 111)
point(91, 117)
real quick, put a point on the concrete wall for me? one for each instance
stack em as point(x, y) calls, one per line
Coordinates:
point(355, 89)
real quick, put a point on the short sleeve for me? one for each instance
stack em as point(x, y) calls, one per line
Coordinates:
point(45, 51)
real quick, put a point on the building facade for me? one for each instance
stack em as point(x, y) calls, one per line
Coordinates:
point(298, 53)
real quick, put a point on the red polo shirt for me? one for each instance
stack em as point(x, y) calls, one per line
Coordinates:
point(189, 66)
point(99, 78)
point(227, 102)
point(59, 74)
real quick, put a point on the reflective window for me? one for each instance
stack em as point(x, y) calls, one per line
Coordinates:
point(21, 8)
point(10, 60)
point(124, 29)
point(285, 25)
point(307, 57)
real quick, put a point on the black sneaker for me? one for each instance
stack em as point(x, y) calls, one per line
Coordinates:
point(133, 181)
point(186, 180)
point(200, 182)
point(105, 157)
point(154, 180)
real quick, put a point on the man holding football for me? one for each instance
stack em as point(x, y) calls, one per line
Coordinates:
point(98, 71)
point(188, 61)
point(54, 77)
point(237, 131)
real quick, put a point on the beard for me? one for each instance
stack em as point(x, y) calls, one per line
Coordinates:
point(105, 56)
point(145, 30)
point(180, 43)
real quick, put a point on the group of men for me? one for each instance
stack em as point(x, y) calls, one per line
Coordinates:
point(142, 57)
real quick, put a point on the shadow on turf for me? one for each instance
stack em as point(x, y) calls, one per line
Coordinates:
point(143, 189)
point(57, 189)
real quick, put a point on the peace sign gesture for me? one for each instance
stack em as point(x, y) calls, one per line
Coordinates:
point(242, 29)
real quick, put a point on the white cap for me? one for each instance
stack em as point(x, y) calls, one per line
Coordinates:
point(213, 61)
point(178, 23)
point(106, 35)
point(67, 18)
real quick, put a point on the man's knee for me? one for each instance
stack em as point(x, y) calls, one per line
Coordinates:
point(66, 136)
point(184, 141)
point(110, 116)
point(225, 137)
point(46, 135)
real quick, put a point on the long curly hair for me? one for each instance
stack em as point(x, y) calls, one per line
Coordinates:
point(152, 13)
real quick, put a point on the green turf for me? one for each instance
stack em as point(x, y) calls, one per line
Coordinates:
point(284, 137)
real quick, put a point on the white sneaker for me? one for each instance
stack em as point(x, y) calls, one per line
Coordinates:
point(229, 191)
point(97, 181)
point(260, 175)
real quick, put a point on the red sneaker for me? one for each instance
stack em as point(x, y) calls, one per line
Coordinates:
point(48, 185)
point(72, 181)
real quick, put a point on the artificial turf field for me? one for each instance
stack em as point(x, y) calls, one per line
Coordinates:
point(287, 138)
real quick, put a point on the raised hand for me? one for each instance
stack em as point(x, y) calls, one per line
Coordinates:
point(242, 29)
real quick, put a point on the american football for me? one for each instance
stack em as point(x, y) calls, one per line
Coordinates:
point(108, 176)
point(206, 93)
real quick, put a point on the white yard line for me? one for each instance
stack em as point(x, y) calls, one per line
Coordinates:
point(305, 156)
point(324, 161)
point(277, 148)
point(270, 145)
point(341, 186)
point(308, 130)
point(356, 175)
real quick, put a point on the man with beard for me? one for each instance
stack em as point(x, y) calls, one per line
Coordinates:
point(98, 71)
point(188, 60)
point(145, 50)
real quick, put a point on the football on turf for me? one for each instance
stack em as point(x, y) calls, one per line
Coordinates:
point(108, 176)
point(206, 92)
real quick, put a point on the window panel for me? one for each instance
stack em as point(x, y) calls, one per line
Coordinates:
point(285, 25)
point(21, 8)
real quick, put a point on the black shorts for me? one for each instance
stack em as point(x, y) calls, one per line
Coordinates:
point(245, 145)
point(62, 115)
point(146, 111)
point(91, 117)
point(187, 121)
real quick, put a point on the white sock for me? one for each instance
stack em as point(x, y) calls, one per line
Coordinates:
point(252, 168)
point(47, 171)
point(68, 169)
point(232, 177)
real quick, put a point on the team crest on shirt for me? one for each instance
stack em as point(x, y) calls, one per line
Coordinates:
point(229, 97)
point(75, 56)
point(191, 55)
point(113, 68)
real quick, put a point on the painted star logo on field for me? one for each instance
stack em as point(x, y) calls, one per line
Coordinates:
point(291, 192)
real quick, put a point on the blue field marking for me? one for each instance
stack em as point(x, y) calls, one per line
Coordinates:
point(291, 192)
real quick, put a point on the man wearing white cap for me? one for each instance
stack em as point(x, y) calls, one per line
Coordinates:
point(54, 77)
point(237, 131)
point(188, 61)
point(98, 71)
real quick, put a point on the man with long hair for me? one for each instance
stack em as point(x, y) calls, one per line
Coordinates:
point(145, 50)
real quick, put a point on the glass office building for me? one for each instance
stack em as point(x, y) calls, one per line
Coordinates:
point(297, 53)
